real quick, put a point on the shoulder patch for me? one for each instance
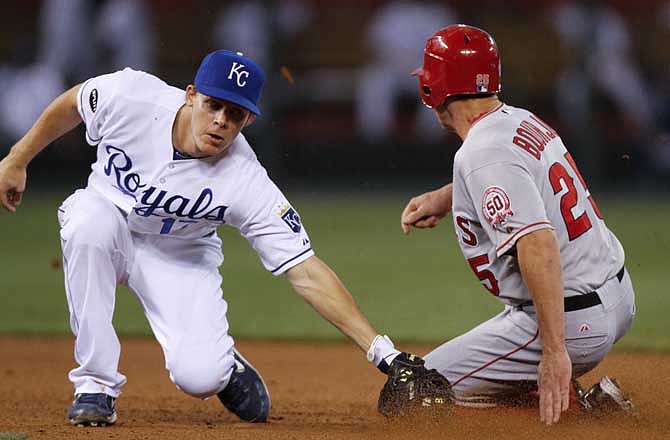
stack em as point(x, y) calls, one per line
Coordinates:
point(93, 100)
point(496, 206)
point(290, 217)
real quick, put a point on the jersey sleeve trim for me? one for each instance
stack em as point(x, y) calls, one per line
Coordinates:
point(80, 109)
point(500, 250)
point(80, 101)
point(286, 265)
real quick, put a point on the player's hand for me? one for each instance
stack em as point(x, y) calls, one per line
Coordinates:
point(553, 380)
point(427, 210)
point(12, 184)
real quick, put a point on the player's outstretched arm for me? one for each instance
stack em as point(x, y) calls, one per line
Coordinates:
point(427, 210)
point(409, 383)
point(540, 264)
point(317, 284)
point(57, 119)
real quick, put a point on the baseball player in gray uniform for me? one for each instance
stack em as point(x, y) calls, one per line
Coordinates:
point(171, 167)
point(532, 234)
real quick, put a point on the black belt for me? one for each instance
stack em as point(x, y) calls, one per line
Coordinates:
point(579, 302)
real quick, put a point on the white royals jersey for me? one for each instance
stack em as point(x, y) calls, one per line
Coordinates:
point(129, 117)
point(512, 176)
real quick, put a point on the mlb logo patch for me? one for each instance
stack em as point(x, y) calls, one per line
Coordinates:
point(483, 80)
point(292, 219)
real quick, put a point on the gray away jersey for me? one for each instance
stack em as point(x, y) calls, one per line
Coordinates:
point(129, 117)
point(513, 175)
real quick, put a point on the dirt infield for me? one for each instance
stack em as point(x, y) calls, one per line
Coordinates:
point(324, 391)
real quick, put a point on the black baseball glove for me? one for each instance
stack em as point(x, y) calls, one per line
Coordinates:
point(411, 387)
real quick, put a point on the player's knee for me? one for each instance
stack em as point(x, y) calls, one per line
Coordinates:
point(200, 378)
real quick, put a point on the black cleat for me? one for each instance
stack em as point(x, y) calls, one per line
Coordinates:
point(246, 394)
point(92, 409)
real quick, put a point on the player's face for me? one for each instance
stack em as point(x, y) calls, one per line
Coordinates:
point(215, 123)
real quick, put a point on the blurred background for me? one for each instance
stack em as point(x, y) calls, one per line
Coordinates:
point(339, 103)
point(344, 134)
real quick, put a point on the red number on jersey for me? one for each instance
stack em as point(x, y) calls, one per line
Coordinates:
point(557, 174)
point(576, 226)
point(573, 165)
point(484, 275)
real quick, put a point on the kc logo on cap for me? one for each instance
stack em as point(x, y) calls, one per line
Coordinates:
point(236, 69)
point(232, 77)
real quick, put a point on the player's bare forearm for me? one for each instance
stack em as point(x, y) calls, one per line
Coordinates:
point(426, 210)
point(540, 264)
point(58, 118)
point(314, 281)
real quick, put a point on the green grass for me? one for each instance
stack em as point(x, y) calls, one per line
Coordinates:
point(415, 288)
point(13, 436)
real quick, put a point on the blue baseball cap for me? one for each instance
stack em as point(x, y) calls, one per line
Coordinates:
point(232, 77)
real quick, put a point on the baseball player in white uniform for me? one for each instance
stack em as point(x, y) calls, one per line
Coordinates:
point(171, 167)
point(532, 234)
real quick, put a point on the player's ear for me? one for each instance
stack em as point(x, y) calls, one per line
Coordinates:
point(190, 95)
point(250, 119)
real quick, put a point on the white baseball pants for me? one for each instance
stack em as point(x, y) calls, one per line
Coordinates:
point(176, 281)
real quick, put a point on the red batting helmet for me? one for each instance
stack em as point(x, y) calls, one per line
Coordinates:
point(458, 60)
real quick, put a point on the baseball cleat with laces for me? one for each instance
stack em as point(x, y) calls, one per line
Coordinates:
point(246, 395)
point(92, 409)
